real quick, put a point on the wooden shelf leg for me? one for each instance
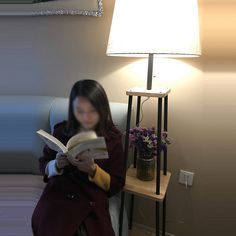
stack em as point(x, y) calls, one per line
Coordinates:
point(164, 217)
point(126, 162)
point(121, 213)
point(165, 129)
point(127, 130)
point(158, 165)
point(137, 124)
point(157, 218)
point(135, 161)
point(131, 212)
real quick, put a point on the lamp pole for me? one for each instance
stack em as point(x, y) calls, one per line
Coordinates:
point(150, 71)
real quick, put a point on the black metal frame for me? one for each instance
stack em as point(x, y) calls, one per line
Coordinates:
point(158, 166)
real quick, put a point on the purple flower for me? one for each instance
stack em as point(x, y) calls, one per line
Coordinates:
point(145, 140)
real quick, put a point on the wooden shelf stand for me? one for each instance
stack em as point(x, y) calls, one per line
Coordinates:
point(154, 190)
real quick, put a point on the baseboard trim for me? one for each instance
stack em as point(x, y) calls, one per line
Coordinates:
point(150, 229)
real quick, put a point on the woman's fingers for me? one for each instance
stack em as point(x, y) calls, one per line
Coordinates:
point(62, 160)
point(60, 156)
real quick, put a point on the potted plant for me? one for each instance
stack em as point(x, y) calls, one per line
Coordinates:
point(145, 141)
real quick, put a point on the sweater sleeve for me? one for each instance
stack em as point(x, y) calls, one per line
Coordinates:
point(101, 178)
point(52, 170)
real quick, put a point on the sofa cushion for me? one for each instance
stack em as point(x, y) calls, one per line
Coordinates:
point(20, 118)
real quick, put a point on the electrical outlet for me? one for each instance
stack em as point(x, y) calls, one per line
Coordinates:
point(186, 177)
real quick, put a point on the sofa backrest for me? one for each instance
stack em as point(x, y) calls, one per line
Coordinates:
point(22, 116)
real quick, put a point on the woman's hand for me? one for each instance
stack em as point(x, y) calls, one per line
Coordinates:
point(85, 163)
point(61, 160)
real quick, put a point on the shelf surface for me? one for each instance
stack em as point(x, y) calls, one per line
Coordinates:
point(146, 189)
point(156, 92)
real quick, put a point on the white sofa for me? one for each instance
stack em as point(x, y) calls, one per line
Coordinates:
point(20, 181)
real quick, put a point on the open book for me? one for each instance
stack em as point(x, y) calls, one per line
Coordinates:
point(94, 146)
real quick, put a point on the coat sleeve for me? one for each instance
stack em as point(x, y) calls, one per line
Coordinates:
point(116, 168)
point(48, 155)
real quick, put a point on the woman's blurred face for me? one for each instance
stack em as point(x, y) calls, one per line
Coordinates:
point(85, 113)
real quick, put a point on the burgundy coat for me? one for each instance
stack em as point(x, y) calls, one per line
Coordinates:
point(70, 199)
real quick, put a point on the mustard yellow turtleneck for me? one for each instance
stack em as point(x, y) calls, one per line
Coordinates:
point(101, 178)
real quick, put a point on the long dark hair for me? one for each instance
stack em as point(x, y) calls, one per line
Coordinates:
point(96, 95)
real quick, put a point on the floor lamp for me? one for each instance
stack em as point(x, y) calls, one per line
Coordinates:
point(162, 28)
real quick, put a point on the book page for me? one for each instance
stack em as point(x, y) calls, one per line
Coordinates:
point(51, 141)
point(96, 147)
point(79, 138)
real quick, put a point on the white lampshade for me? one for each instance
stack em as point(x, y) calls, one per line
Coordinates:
point(164, 27)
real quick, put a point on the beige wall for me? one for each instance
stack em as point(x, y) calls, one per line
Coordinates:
point(46, 55)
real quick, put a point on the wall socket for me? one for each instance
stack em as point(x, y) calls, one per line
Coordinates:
point(186, 177)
